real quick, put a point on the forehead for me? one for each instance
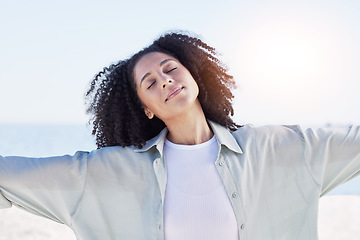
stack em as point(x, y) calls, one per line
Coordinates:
point(149, 61)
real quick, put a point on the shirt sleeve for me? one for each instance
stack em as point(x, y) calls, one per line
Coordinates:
point(332, 155)
point(49, 187)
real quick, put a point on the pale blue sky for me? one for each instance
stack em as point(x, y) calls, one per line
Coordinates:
point(294, 61)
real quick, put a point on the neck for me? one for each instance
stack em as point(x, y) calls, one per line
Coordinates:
point(189, 129)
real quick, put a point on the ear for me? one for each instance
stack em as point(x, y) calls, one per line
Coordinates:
point(148, 113)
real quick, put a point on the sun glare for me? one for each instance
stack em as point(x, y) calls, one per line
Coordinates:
point(286, 53)
point(287, 67)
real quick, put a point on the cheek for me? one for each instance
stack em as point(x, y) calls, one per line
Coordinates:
point(141, 98)
point(191, 80)
point(146, 100)
point(194, 85)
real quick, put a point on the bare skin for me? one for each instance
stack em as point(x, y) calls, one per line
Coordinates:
point(168, 91)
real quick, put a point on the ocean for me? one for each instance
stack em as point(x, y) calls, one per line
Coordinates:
point(55, 140)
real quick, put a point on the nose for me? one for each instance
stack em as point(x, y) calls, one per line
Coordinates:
point(167, 82)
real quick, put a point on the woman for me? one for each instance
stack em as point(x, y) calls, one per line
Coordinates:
point(171, 163)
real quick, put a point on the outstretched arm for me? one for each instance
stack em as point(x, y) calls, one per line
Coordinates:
point(332, 155)
point(50, 187)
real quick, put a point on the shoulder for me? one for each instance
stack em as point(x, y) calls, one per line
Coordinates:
point(269, 134)
point(267, 130)
point(123, 155)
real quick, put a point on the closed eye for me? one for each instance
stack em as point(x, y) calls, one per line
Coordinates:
point(171, 70)
point(151, 84)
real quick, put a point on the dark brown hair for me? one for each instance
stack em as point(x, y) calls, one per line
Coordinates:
point(116, 111)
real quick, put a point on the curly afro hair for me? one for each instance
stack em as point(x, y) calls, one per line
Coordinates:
point(116, 111)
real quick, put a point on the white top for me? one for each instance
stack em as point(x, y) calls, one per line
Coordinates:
point(196, 205)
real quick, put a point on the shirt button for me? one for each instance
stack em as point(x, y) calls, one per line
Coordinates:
point(242, 226)
point(157, 161)
point(159, 226)
point(234, 195)
point(221, 163)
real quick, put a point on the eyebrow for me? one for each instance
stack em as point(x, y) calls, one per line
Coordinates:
point(161, 64)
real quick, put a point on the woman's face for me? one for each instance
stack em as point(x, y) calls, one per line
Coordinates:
point(164, 85)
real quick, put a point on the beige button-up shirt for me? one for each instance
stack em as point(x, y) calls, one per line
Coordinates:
point(273, 175)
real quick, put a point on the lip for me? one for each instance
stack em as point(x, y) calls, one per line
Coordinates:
point(173, 93)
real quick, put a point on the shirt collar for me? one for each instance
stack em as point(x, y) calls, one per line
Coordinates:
point(223, 136)
point(157, 141)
